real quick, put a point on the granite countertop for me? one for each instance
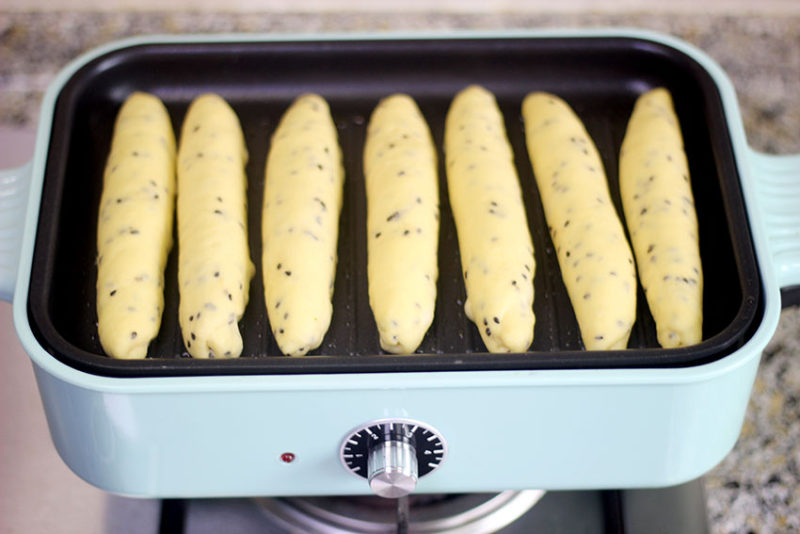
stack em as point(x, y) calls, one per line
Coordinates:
point(757, 487)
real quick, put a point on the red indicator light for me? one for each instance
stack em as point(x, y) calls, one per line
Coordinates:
point(287, 457)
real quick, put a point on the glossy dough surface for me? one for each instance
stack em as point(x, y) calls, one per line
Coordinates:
point(593, 254)
point(493, 236)
point(402, 222)
point(134, 233)
point(660, 214)
point(214, 266)
point(300, 225)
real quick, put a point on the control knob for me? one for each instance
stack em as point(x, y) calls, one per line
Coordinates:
point(392, 454)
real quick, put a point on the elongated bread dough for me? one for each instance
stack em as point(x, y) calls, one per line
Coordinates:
point(659, 210)
point(593, 254)
point(214, 267)
point(300, 225)
point(402, 222)
point(493, 237)
point(134, 229)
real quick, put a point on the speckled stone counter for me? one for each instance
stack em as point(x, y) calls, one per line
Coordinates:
point(757, 487)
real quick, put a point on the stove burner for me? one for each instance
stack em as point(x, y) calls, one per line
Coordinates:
point(430, 514)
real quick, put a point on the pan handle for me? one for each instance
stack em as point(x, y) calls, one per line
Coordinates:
point(778, 183)
point(13, 197)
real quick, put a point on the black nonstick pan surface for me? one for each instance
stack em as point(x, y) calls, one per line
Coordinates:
point(600, 77)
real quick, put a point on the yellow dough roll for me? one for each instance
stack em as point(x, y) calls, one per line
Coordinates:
point(300, 225)
point(214, 267)
point(593, 254)
point(402, 222)
point(493, 236)
point(660, 214)
point(134, 229)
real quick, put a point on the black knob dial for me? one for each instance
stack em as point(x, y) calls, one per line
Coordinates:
point(392, 454)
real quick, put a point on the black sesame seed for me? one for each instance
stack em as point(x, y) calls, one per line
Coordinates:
point(496, 320)
point(191, 318)
point(599, 338)
point(319, 166)
point(377, 235)
point(113, 292)
point(194, 337)
point(393, 216)
point(280, 331)
point(216, 274)
point(406, 232)
point(218, 212)
point(133, 335)
point(288, 273)
point(488, 332)
point(644, 210)
point(587, 296)
point(279, 266)
point(650, 248)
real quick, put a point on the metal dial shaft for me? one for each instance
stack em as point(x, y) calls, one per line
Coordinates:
point(392, 468)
